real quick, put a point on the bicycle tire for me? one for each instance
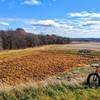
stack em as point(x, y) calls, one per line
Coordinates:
point(97, 78)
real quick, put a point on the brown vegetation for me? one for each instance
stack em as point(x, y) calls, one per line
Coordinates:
point(37, 66)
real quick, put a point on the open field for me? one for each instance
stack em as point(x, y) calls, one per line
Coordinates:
point(36, 64)
point(76, 46)
point(52, 69)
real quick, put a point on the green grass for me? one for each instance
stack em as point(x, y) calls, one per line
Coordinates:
point(56, 92)
point(95, 53)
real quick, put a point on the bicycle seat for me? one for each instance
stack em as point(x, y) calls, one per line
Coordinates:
point(95, 65)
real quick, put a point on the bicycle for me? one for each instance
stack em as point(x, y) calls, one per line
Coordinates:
point(93, 79)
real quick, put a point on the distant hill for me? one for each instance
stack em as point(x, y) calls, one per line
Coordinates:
point(86, 39)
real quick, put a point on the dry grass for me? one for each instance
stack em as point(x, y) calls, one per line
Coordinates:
point(76, 46)
point(36, 64)
point(53, 72)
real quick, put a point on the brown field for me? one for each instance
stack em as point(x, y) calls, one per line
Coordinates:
point(76, 46)
point(37, 64)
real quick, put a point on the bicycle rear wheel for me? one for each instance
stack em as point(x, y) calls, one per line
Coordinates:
point(93, 80)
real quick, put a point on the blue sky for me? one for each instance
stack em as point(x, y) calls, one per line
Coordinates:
point(70, 18)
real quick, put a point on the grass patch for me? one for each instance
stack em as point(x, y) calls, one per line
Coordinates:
point(54, 92)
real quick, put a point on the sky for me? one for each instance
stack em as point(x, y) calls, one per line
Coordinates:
point(69, 18)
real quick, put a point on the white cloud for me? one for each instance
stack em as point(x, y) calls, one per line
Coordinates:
point(85, 14)
point(44, 23)
point(91, 22)
point(49, 23)
point(4, 23)
point(85, 19)
point(85, 24)
point(32, 2)
point(80, 25)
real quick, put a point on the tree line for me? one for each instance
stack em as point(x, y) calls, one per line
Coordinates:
point(16, 39)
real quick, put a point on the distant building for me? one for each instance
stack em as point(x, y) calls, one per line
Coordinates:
point(1, 45)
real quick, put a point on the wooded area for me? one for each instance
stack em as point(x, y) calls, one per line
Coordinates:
point(15, 39)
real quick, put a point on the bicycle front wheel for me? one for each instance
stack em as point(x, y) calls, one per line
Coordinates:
point(93, 80)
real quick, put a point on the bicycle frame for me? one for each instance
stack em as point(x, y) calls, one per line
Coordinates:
point(97, 70)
